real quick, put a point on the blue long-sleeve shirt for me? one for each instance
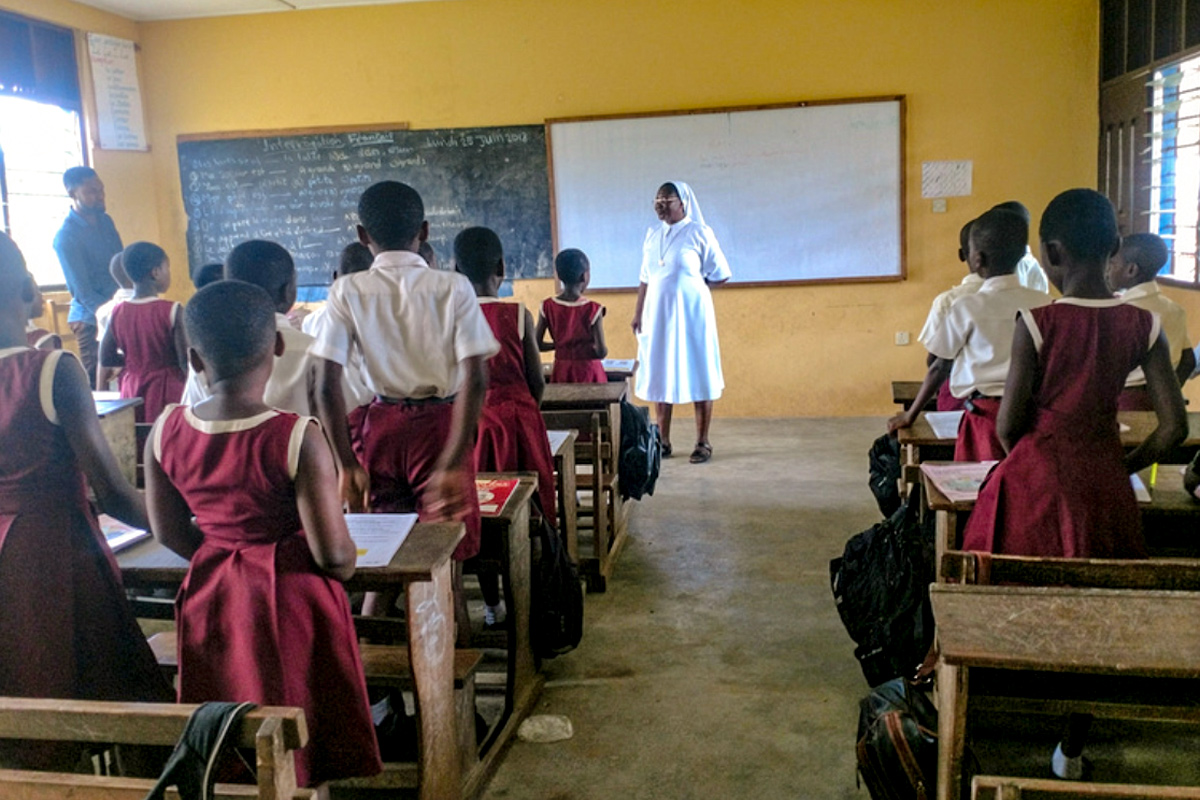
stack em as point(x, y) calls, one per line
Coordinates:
point(84, 251)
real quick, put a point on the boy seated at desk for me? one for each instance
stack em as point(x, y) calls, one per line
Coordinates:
point(973, 346)
point(941, 307)
point(1131, 274)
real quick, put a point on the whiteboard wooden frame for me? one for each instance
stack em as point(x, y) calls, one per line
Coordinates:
point(902, 177)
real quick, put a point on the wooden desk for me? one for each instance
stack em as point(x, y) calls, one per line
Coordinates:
point(1145, 642)
point(905, 392)
point(504, 548)
point(118, 421)
point(617, 369)
point(1170, 510)
point(564, 473)
point(582, 396)
point(422, 568)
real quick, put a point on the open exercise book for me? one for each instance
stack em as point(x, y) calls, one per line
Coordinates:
point(119, 535)
point(960, 481)
point(378, 536)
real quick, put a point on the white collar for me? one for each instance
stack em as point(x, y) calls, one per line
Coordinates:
point(12, 351)
point(1000, 282)
point(970, 278)
point(1091, 302)
point(398, 258)
point(1146, 289)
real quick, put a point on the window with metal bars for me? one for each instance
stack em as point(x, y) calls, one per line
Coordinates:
point(1173, 154)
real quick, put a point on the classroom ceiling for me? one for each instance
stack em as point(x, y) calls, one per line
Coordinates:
point(146, 10)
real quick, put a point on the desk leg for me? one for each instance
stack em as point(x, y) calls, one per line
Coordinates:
point(521, 666)
point(945, 534)
point(567, 501)
point(952, 729)
point(430, 607)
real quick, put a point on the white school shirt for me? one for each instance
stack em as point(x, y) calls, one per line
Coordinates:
point(287, 388)
point(1030, 273)
point(104, 312)
point(978, 335)
point(1174, 322)
point(356, 391)
point(412, 325)
point(940, 306)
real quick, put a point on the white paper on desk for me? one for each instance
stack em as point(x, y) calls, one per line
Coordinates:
point(944, 423)
point(1123, 428)
point(556, 439)
point(1139, 489)
point(378, 536)
point(619, 364)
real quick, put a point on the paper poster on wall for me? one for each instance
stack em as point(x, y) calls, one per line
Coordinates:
point(118, 95)
point(946, 178)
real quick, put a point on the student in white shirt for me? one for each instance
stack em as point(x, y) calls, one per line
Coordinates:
point(1029, 272)
point(941, 307)
point(1131, 274)
point(424, 343)
point(292, 384)
point(977, 336)
point(355, 258)
point(116, 268)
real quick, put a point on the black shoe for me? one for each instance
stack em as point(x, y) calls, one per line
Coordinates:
point(397, 736)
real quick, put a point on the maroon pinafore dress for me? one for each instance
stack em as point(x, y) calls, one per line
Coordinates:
point(570, 325)
point(145, 332)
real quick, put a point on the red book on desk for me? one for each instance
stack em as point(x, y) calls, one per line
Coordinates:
point(494, 494)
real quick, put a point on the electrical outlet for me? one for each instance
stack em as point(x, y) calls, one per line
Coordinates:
point(939, 205)
point(901, 338)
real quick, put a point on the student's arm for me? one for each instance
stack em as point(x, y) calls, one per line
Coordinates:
point(320, 507)
point(331, 409)
point(179, 335)
point(1017, 409)
point(111, 360)
point(77, 415)
point(637, 310)
point(939, 370)
point(543, 327)
point(446, 493)
point(1167, 400)
point(533, 361)
point(170, 518)
point(598, 336)
point(1186, 365)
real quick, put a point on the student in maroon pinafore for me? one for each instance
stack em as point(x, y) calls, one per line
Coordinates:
point(262, 615)
point(575, 324)
point(67, 629)
point(145, 336)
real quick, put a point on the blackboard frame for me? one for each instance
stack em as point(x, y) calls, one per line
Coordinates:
point(903, 178)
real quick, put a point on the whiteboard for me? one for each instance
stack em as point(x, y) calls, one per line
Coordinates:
point(804, 192)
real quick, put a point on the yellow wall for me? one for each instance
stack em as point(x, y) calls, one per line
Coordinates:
point(1011, 85)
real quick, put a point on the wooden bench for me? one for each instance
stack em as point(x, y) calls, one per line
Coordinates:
point(273, 733)
point(991, 787)
point(1055, 650)
point(1154, 574)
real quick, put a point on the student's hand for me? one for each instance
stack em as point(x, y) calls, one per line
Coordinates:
point(899, 421)
point(636, 324)
point(355, 484)
point(446, 495)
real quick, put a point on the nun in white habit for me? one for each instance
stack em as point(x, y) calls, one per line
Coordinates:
point(679, 356)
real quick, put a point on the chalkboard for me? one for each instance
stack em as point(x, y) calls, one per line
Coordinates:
point(802, 192)
point(301, 190)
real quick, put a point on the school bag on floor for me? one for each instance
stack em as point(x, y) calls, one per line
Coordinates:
point(881, 588)
point(897, 742)
point(884, 480)
point(641, 452)
point(556, 597)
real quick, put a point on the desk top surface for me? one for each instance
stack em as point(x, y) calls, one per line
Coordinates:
point(583, 395)
point(106, 407)
point(1059, 629)
point(1140, 423)
point(427, 546)
point(904, 392)
point(1167, 497)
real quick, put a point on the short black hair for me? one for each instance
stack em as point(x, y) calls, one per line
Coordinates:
point(231, 324)
point(12, 268)
point(392, 213)
point(478, 253)
point(265, 264)
point(1003, 236)
point(208, 273)
point(356, 257)
point(140, 259)
point(964, 238)
point(1083, 222)
point(1147, 251)
point(1017, 207)
point(569, 266)
point(76, 176)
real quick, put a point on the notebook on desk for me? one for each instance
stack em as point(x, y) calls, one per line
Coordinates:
point(119, 535)
point(494, 494)
point(377, 537)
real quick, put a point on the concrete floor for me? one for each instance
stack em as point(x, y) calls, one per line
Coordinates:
point(716, 666)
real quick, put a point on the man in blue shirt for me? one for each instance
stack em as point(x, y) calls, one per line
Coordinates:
point(85, 244)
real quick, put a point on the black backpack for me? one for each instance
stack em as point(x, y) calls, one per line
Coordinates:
point(641, 452)
point(897, 742)
point(884, 459)
point(881, 587)
point(556, 602)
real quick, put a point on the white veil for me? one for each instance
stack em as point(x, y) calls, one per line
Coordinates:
point(691, 207)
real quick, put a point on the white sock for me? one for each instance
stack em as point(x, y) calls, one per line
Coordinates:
point(1070, 769)
point(493, 614)
point(380, 710)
